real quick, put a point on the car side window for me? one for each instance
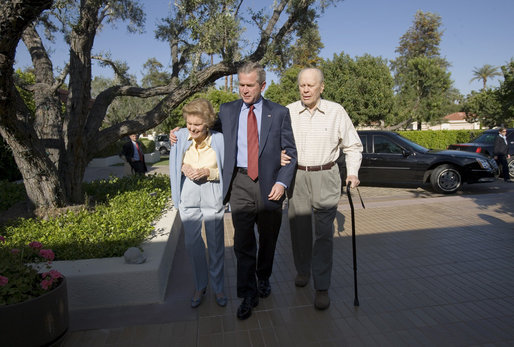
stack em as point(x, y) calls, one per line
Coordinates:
point(385, 145)
point(364, 141)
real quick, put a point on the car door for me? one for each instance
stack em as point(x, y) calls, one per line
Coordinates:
point(389, 162)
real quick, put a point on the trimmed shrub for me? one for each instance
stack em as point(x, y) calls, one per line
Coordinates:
point(440, 139)
point(123, 217)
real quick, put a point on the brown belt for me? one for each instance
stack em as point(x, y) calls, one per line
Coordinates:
point(317, 167)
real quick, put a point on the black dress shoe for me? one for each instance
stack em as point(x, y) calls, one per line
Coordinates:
point(264, 288)
point(245, 309)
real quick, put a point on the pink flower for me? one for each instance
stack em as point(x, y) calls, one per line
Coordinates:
point(3, 281)
point(46, 283)
point(15, 251)
point(2, 238)
point(54, 274)
point(47, 254)
point(36, 245)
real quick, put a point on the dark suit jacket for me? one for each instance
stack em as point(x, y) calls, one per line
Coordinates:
point(128, 152)
point(500, 147)
point(276, 134)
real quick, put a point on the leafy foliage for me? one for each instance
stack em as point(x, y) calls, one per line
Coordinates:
point(216, 98)
point(20, 281)
point(363, 85)
point(484, 73)
point(423, 85)
point(484, 106)
point(440, 139)
point(286, 91)
point(126, 208)
point(506, 92)
point(206, 43)
point(11, 193)
point(425, 90)
point(494, 107)
point(422, 39)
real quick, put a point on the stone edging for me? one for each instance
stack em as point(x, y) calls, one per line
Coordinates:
point(116, 159)
point(107, 282)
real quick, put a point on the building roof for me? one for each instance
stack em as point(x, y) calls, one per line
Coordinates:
point(456, 116)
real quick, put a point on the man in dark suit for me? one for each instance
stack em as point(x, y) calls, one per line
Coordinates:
point(255, 194)
point(501, 153)
point(133, 153)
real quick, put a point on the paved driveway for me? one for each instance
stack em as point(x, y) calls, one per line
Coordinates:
point(432, 270)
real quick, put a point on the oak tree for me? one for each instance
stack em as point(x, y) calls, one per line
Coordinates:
point(53, 146)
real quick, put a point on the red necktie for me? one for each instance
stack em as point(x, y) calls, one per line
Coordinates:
point(141, 155)
point(252, 137)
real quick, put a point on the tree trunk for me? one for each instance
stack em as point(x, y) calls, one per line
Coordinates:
point(38, 172)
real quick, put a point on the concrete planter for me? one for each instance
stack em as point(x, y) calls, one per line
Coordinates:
point(94, 283)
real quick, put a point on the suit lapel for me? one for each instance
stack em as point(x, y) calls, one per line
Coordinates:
point(266, 120)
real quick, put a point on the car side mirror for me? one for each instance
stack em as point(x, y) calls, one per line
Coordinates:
point(405, 153)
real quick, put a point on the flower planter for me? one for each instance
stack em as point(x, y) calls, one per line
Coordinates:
point(42, 321)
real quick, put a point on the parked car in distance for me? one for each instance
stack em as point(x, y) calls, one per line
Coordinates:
point(389, 158)
point(162, 144)
point(484, 144)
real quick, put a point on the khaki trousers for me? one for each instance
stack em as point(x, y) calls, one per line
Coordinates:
point(314, 194)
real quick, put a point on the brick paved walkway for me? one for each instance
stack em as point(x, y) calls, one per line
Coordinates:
point(432, 270)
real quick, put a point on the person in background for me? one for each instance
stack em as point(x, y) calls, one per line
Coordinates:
point(133, 153)
point(501, 153)
point(196, 163)
point(320, 129)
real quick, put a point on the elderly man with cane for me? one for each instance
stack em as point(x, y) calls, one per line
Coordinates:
point(320, 129)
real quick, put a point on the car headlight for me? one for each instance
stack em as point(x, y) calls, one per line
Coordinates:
point(484, 163)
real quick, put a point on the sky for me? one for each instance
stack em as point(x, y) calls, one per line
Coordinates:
point(475, 33)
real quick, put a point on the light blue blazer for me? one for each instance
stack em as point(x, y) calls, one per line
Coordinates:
point(177, 152)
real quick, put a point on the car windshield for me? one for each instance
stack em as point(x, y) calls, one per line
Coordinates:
point(487, 138)
point(414, 145)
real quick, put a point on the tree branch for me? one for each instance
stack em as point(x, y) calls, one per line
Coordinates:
point(43, 68)
point(124, 80)
point(60, 80)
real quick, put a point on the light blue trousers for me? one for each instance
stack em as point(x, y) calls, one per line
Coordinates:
point(203, 202)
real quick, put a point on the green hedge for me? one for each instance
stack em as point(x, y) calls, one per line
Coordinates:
point(440, 139)
point(123, 217)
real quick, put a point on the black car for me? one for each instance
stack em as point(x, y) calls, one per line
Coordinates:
point(389, 158)
point(484, 144)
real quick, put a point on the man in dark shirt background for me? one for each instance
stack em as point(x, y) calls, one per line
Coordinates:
point(133, 153)
point(501, 153)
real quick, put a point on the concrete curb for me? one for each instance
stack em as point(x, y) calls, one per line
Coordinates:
point(108, 282)
point(150, 158)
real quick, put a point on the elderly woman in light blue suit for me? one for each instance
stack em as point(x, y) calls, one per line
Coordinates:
point(196, 163)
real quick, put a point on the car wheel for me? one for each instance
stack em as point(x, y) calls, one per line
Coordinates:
point(163, 150)
point(511, 168)
point(446, 179)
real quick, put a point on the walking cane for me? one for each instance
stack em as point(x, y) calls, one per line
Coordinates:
point(348, 186)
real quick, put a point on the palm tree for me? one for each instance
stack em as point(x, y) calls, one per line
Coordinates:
point(485, 72)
